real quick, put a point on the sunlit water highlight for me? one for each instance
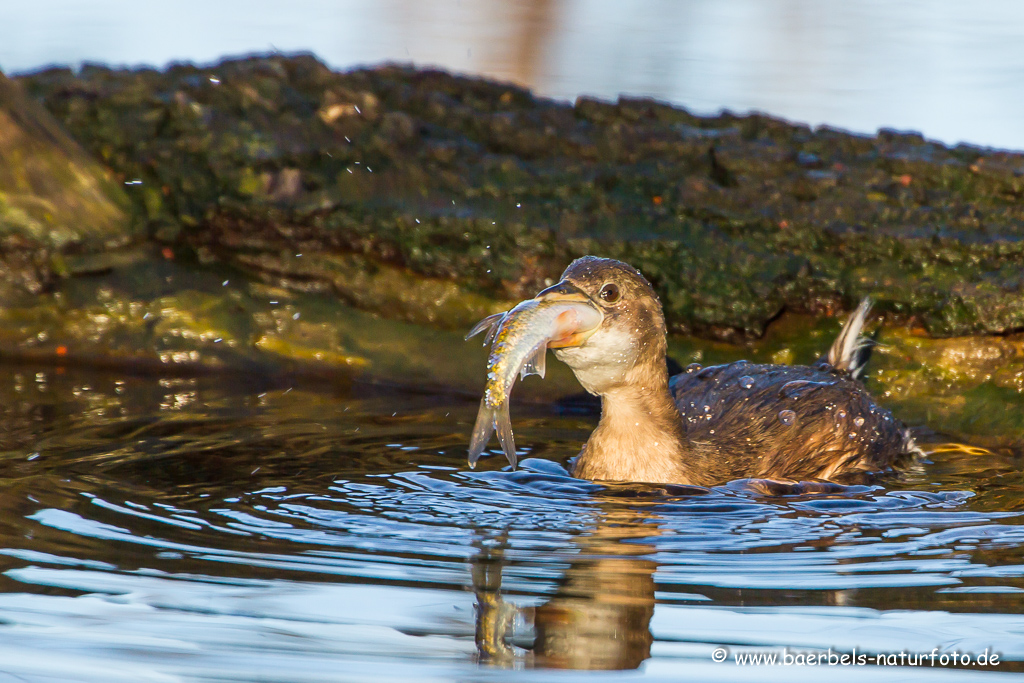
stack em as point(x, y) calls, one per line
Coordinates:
point(202, 529)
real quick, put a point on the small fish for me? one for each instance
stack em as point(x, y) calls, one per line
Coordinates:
point(520, 343)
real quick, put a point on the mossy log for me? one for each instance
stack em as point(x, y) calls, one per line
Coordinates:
point(249, 204)
point(482, 185)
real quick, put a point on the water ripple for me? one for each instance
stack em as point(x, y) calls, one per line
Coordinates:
point(365, 533)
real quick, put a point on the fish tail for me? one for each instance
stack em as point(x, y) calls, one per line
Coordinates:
point(503, 423)
point(487, 420)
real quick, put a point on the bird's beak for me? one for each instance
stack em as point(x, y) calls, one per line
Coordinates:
point(567, 291)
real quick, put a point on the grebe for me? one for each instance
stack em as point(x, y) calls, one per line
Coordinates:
point(707, 425)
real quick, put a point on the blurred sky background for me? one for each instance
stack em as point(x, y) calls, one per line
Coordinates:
point(951, 69)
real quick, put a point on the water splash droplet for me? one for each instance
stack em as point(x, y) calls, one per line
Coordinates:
point(746, 381)
point(858, 421)
point(787, 417)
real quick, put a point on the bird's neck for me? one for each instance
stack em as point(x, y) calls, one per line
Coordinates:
point(640, 436)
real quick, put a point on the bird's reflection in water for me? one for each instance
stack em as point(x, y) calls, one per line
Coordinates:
point(599, 617)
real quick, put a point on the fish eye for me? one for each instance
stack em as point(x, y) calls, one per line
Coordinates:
point(610, 293)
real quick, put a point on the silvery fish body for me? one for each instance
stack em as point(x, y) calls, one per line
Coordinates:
point(520, 343)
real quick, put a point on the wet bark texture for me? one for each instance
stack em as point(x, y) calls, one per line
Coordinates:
point(358, 184)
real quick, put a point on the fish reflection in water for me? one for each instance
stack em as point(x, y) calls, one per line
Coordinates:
point(599, 617)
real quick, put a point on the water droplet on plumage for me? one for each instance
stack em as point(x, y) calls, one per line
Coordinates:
point(693, 367)
point(841, 414)
point(787, 417)
point(859, 421)
point(746, 381)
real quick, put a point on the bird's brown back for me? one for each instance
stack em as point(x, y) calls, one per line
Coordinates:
point(790, 422)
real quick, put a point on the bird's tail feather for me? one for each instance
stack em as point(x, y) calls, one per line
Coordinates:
point(848, 350)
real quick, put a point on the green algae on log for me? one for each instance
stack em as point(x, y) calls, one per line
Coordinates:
point(157, 313)
point(481, 184)
point(173, 316)
point(56, 202)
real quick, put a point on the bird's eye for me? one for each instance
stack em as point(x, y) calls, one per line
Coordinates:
point(610, 293)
